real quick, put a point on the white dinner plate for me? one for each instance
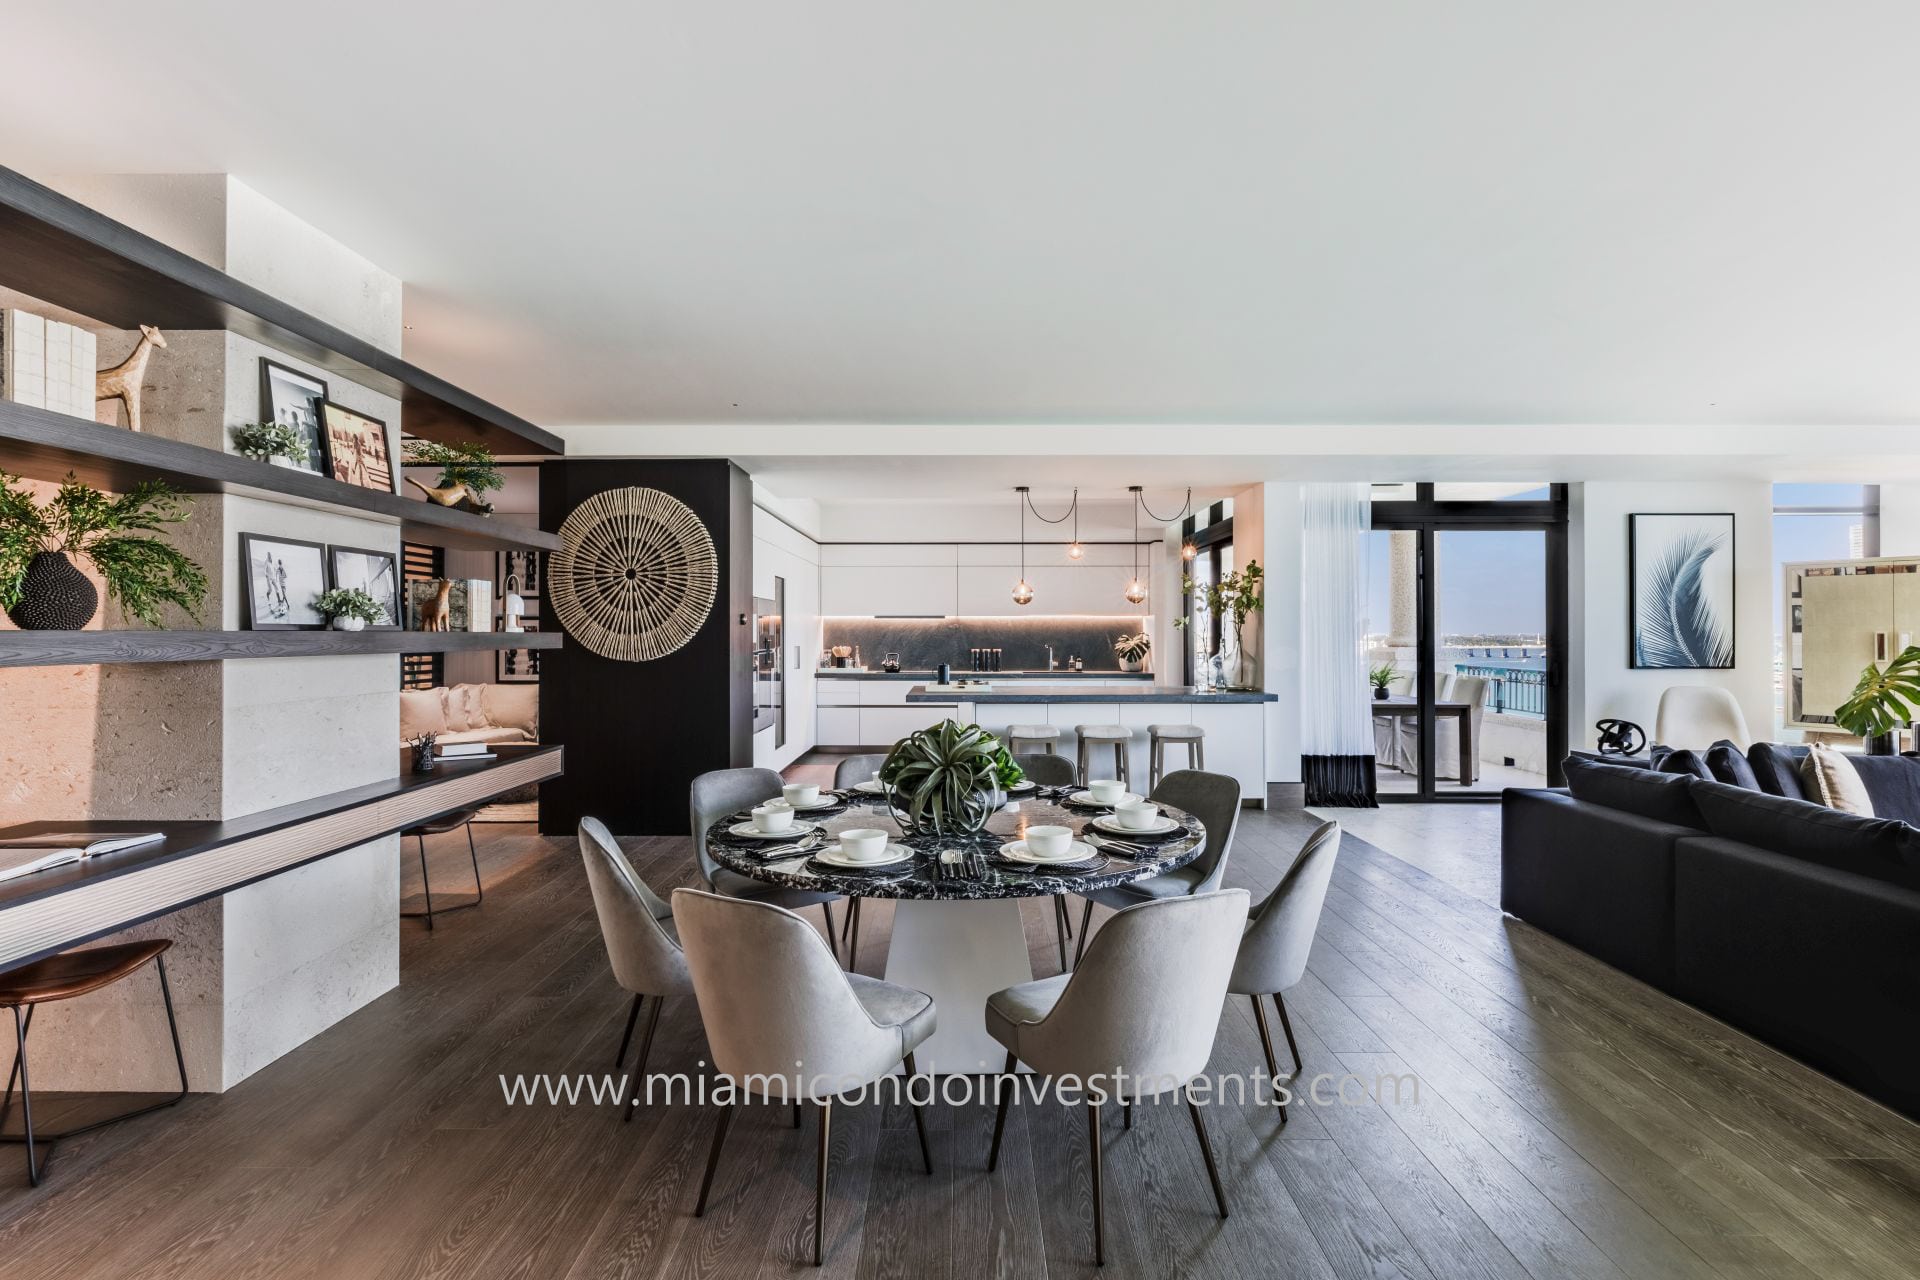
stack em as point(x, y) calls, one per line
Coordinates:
point(1021, 788)
point(1086, 798)
point(1111, 824)
point(871, 787)
point(832, 857)
point(1017, 851)
point(824, 802)
point(798, 831)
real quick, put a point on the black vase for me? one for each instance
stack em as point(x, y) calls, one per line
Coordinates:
point(54, 596)
point(1884, 744)
point(1379, 693)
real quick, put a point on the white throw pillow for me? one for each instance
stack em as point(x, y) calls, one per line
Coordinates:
point(1832, 779)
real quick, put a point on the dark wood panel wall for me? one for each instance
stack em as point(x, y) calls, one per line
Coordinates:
point(638, 733)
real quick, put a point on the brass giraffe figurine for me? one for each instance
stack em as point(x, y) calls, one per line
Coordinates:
point(122, 382)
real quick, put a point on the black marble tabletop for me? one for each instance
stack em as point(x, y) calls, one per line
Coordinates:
point(922, 879)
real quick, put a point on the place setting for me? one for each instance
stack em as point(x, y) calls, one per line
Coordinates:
point(811, 797)
point(1048, 850)
point(864, 850)
point(1100, 793)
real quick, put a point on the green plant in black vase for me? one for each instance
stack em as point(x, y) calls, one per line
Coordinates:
point(1382, 678)
point(945, 780)
point(1884, 699)
point(42, 590)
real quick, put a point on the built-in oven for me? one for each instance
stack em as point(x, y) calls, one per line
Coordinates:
point(769, 681)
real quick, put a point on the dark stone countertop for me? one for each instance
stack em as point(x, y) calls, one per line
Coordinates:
point(1066, 693)
point(922, 677)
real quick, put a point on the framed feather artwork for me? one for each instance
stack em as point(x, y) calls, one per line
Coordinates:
point(1680, 591)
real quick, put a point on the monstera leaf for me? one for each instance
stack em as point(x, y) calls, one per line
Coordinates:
point(943, 779)
point(1678, 626)
point(1885, 698)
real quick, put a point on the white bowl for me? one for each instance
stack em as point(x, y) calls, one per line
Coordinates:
point(864, 844)
point(1140, 815)
point(773, 816)
point(801, 793)
point(1049, 842)
point(1106, 790)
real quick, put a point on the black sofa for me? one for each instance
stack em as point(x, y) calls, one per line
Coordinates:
point(1796, 923)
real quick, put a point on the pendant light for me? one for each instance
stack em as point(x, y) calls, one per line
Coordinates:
point(1136, 589)
point(1074, 549)
point(1022, 590)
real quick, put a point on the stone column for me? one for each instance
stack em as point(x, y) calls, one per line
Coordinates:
point(1403, 588)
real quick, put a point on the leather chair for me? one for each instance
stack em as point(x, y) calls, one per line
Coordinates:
point(1695, 716)
point(637, 928)
point(782, 1015)
point(726, 791)
point(1280, 931)
point(1136, 1020)
point(1213, 798)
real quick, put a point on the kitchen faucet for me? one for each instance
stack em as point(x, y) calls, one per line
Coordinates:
point(1051, 665)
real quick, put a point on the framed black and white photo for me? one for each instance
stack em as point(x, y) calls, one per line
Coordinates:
point(375, 572)
point(293, 399)
point(284, 576)
point(518, 666)
point(1680, 591)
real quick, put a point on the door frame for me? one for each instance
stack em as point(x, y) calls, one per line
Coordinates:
point(1428, 517)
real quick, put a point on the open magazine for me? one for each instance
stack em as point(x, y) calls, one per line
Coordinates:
point(30, 854)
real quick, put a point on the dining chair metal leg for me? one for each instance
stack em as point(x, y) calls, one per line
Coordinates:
point(1286, 1025)
point(479, 890)
point(796, 1115)
point(26, 1090)
point(820, 1179)
point(425, 884)
point(6, 1104)
point(1206, 1149)
point(833, 944)
point(713, 1157)
point(1126, 1114)
point(639, 1079)
point(1099, 1200)
point(1006, 1083)
point(633, 1016)
point(1266, 1038)
point(919, 1121)
point(1060, 929)
point(853, 938)
point(1086, 928)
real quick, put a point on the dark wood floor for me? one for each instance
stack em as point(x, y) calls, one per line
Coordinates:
point(1571, 1122)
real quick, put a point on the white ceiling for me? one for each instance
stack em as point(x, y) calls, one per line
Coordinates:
point(839, 212)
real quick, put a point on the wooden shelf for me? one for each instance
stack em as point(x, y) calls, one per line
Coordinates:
point(43, 445)
point(74, 257)
point(95, 648)
point(48, 912)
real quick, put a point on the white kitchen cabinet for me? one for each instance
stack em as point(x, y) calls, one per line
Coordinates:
point(883, 726)
point(862, 591)
point(1236, 743)
point(838, 726)
point(837, 691)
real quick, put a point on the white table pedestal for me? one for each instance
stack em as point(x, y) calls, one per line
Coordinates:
point(959, 953)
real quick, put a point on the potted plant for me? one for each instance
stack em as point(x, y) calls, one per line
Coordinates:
point(274, 442)
point(349, 608)
point(944, 780)
point(1131, 651)
point(1382, 678)
point(1882, 701)
point(467, 472)
point(41, 588)
point(1233, 600)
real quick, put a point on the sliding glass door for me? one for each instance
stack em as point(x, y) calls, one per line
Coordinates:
point(1467, 629)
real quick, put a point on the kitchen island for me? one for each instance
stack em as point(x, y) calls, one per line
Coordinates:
point(1235, 720)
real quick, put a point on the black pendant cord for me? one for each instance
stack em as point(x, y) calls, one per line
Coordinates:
point(1140, 499)
point(1073, 509)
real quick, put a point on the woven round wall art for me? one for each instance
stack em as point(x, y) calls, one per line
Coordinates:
point(636, 576)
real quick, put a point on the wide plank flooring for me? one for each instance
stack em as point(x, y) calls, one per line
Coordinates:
point(1570, 1122)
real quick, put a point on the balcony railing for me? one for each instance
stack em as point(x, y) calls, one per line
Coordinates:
point(1517, 691)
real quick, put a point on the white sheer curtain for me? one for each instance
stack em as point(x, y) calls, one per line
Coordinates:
point(1336, 724)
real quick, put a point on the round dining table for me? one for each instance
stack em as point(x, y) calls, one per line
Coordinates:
point(957, 933)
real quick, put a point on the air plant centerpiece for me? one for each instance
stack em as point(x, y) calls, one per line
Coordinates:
point(1884, 699)
point(946, 780)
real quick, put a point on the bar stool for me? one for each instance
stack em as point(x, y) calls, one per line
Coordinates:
point(63, 977)
point(1093, 736)
point(1044, 734)
point(459, 819)
point(1191, 736)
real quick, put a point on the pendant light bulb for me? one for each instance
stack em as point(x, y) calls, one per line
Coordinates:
point(1022, 592)
point(1188, 551)
point(1075, 551)
point(1136, 592)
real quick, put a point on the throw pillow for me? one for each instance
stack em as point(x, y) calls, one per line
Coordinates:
point(1892, 783)
point(1883, 848)
point(1777, 766)
point(1832, 780)
point(1647, 792)
point(1685, 761)
point(422, 711)
point(1727, 765)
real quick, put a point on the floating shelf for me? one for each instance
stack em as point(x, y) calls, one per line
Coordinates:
point(74, 257)
point(44, 445)
point(95, 648)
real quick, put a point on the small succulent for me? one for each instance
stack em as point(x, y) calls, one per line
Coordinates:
point(1383, 675)
point(269, 440)
point(349, 602)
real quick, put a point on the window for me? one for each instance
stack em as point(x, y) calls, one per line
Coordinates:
point(1813, 522)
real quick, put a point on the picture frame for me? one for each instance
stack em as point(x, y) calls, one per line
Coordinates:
point(1680, 591)
point(282, 576)
point(375, 572)
point(293, 398)
point(357, 448)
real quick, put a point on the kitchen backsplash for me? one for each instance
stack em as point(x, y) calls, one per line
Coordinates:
point(924, 643)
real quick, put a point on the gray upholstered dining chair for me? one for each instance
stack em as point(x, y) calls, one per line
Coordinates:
point(725, 791)
point(782, 1015)
point(1137, 1018)
point(1273, 951)
point(1053, 771)
point(1214, 798)
point(854, 769)
point(638, 931)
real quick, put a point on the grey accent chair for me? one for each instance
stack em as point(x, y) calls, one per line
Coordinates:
point(1280, 931)
point(852, 769)
point(782, 1015)
point(1145, 1003)
point(638, 931)
point(1047, 770)
point(725, 791)
point(1214, 798)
